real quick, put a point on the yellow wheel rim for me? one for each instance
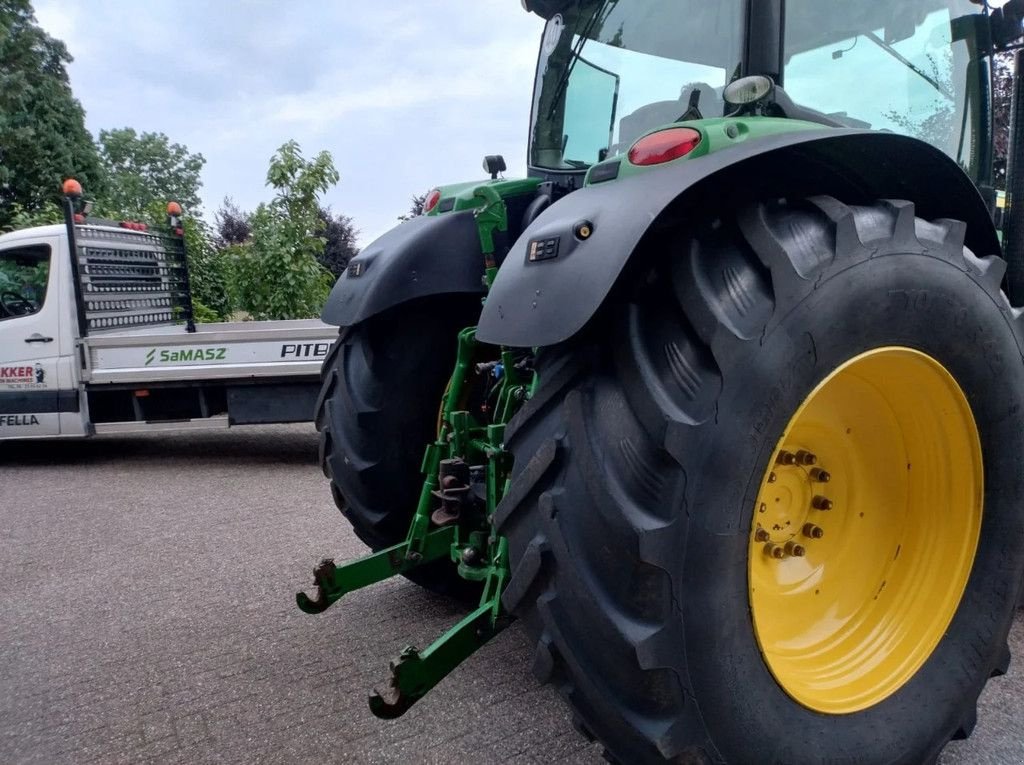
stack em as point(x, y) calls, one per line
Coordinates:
point(865, 530)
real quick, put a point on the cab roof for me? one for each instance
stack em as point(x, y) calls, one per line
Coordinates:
point(56, 229)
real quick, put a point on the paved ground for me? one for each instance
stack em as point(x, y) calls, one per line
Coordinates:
point(146, 613)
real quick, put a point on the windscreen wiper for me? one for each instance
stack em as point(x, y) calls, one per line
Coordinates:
point(908, 63)
point(563, 81)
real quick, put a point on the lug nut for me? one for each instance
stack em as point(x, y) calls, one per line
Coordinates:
point(774, 551)
point(772, 477)
point(821, 503)
point(786, 458)
point(819, 475)
point(761, 535)
point(795, 549)
point(813, 532)
point(805, 457)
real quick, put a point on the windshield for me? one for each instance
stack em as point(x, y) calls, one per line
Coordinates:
point(903, 68)
point(611, 70)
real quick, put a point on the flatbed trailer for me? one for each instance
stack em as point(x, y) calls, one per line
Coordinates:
point(97, 336)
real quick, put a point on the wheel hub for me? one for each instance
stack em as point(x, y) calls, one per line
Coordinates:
point(852, 581)
point(792, 504)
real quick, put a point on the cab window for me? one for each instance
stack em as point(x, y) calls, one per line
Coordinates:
point(24, 274)
point(901, 67)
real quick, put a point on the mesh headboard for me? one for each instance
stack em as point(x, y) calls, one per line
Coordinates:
point(131, 278)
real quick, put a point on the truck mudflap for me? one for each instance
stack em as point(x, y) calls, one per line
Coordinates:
point(428, 255)
point(559, 272)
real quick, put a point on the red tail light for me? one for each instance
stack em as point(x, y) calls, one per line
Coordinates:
point(664, 146)
point(431, 201)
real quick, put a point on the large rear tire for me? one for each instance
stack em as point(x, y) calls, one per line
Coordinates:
point(381, 387)
point(644, 460)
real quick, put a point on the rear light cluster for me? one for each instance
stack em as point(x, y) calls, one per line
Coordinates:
point(664, 146)
point(431, 201)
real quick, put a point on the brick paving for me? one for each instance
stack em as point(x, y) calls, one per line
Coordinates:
point(147, 615)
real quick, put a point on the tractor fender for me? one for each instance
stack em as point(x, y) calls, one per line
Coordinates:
point(427, 255)
point(547, 300)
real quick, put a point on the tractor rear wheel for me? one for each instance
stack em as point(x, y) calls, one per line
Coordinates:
point(767, 507)
point(377, 411)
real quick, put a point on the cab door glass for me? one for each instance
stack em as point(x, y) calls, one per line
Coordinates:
point(901, 67)
point(24, 275)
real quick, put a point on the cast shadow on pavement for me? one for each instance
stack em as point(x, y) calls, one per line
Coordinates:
point(250, 445)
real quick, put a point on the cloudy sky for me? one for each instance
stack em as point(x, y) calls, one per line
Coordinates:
point(405, 95)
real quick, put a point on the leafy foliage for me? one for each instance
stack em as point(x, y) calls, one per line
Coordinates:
point(202, 314)
point(277, 262)
point(415, 208)
point(277, 274)
point(16, 277)
point(49, 212)
point(233, 225)
point(209, 273)
point(145, 168)
point(340, 241)
point(42, 126)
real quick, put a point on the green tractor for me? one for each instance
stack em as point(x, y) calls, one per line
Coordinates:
point(736, 420)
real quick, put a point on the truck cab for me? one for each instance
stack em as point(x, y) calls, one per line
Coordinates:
point(36, 360)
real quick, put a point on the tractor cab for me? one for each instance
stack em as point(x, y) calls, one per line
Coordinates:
point(611, 71)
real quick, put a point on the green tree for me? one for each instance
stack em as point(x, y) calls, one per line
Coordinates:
point(232, 224)
point(339, 241)
point(49, 212)
point(277, 274)
point(415, 207)
point(145, 168)
point(43, 139)
point(209, 273)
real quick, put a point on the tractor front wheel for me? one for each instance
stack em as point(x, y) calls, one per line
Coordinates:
point(381, 387)
point(768, 507)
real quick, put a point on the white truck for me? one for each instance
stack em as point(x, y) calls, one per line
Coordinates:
point(97, 336)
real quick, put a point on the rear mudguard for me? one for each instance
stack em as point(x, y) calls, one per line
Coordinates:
point(427, 255)
point(548, 300)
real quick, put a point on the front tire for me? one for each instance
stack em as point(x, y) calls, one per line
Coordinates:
point(381, 387)
point(640, 467)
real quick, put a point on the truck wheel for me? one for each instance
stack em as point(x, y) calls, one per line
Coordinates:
point(377, 411)
point(774, 513)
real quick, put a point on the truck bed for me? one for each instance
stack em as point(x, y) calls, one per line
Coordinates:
point(230, 350)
